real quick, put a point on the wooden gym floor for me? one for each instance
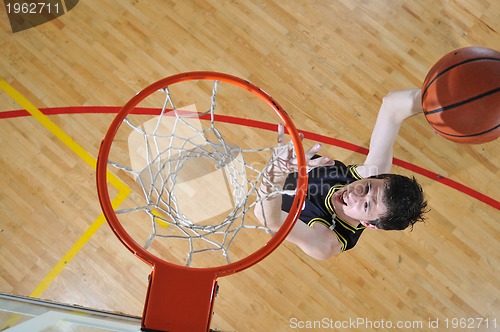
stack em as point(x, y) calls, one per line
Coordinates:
point(328, 63)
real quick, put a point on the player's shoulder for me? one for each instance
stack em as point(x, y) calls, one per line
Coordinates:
point(339, 171)
point(351, 172)
point(365, 171)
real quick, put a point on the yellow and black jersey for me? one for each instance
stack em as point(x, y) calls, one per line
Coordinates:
point(323, 182)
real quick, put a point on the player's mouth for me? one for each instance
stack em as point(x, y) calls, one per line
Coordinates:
point(341, 197)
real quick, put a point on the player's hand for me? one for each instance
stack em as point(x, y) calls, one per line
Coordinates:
point(284, 160)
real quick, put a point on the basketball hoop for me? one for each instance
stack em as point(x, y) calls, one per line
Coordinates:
point(172, 149)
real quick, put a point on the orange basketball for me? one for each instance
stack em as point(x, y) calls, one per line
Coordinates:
point(461, 95)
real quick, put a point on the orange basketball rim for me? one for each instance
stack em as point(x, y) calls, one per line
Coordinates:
point(180, 298)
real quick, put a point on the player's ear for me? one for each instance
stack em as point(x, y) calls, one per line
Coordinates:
point(369, 224)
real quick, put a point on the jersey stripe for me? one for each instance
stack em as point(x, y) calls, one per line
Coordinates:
point(354, 172)
point(320, 220)
point(342, 240)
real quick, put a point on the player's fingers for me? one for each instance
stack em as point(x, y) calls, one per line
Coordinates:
point(317, 162)
point(313, 151)
point(281, 133)
point(322, 161)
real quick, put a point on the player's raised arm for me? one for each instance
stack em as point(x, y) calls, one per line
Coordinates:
point(317, 241)
point(396, 107)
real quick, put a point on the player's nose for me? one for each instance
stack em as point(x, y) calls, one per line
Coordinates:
point(354, 197)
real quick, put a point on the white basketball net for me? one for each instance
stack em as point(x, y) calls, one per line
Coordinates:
point(177, 165)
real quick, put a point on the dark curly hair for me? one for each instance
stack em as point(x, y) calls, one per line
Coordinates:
point(405, 202)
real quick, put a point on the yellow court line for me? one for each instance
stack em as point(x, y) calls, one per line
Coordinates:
point(58, 132)
point(57, 269)
point(123, 189)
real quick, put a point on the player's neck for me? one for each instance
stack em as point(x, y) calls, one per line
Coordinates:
point(351, 221)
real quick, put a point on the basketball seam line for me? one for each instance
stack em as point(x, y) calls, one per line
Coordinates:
point(468, 135)
point(451, 67)
point(447, 108)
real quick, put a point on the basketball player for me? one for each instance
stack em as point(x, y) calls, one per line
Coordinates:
point(342, 201)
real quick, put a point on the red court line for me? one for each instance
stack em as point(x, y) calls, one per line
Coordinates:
point(272, 127)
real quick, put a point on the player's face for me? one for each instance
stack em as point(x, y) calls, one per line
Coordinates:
point(361, 200)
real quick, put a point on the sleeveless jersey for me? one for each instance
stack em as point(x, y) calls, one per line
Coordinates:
point(323, 182)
